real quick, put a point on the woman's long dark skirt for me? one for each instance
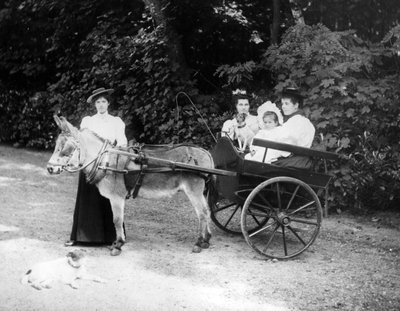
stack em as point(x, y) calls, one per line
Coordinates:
point(93, 218)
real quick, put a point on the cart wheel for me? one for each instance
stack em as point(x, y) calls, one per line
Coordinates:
point(294, 212)
point(226, 215)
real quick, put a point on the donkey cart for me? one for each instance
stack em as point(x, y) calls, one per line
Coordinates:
point(280, 212)
point(276, 208)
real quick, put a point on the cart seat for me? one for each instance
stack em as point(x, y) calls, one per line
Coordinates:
point(227, 157)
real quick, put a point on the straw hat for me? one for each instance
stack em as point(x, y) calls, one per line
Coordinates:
point(98, 92)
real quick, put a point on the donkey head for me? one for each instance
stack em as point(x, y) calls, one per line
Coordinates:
point(66, 152)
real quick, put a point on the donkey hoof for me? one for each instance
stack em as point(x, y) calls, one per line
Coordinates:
point(205, 245)
point(196, 249)
point(115, 252)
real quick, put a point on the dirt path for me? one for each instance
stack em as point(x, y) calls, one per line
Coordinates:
point(353, 265)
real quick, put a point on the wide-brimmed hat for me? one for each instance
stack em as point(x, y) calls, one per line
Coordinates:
point(98, 92)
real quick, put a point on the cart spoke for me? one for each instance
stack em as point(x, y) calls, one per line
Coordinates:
point(257, 213)
point(254, 216)
point(224, 207)
point(264, 200)
point(278, 194)
point(284, 240)
point(301, 208)
point(271, 238)
point(303, 221)
point(264, 228)
point(297, 236)
point(233, 214)
point(293, 196)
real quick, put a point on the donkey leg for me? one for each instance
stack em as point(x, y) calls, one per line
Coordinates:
point(196, 197)
point(118, 205)
point(205, 230)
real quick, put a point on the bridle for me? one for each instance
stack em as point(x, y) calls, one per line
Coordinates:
point(81, 166)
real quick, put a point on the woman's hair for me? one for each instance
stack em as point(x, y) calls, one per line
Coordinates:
point(239, 94)
point(294, 99)
point(294, 95)
point(271, 114)
point(106, 96)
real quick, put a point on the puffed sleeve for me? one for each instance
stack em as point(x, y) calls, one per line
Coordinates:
point(120, 132)
point(228, 129)
point(85, 123)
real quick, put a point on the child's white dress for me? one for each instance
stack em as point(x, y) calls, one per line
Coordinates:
point(258, 153)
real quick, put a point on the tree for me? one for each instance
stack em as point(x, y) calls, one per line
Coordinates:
point(276, 22)
point(158, 12)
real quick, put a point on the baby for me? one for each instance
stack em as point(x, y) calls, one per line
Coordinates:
point(271, 119)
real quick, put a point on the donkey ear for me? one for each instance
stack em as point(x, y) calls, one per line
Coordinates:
point(62, 124)
point(69, 127)
point(57, 120)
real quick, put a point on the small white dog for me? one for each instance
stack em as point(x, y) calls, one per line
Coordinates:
point(66, 269)
point(243, 134)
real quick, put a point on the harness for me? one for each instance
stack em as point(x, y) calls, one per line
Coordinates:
point(91, 177)
point(121, 157)
point(134, 178)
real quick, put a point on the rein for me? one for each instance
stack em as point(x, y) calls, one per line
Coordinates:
point(92, 174)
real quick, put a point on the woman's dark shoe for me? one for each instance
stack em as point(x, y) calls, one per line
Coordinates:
point(70, 243)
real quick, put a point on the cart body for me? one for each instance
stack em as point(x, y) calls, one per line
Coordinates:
point(275, 207)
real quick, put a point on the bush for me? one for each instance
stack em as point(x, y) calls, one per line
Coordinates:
point(26, 120)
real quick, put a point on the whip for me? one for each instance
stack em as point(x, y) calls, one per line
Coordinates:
point(197, 111)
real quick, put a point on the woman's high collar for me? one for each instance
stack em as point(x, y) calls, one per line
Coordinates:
point(298, 112)
point(102, 116)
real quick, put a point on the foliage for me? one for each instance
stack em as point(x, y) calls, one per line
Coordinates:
point(25, 120)
point(145, 82)
point(371, 19)
point(237, 74)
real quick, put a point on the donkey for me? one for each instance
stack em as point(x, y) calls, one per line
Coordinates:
point(83, 150)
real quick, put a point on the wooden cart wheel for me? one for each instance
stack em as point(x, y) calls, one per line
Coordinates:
point(294, 213)
point(226, 214)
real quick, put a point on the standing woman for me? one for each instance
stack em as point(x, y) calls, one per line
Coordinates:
point(93, 218)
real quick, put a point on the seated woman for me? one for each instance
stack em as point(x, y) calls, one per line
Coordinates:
point(296, 129)
point(232, 128)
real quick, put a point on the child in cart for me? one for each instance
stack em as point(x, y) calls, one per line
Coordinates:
point(270, 119)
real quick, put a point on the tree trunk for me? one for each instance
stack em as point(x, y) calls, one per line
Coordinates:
point(296, 12)
point(175, 50)
point(276, 20)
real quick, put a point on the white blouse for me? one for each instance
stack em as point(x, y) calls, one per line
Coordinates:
point(298, 130)
point(106, 126)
